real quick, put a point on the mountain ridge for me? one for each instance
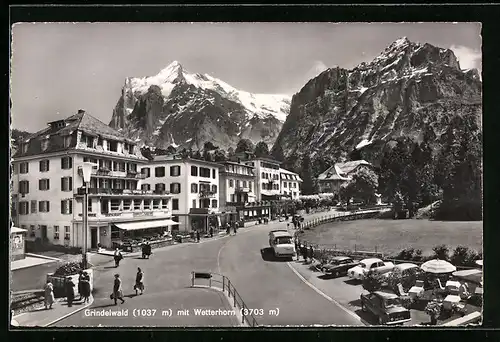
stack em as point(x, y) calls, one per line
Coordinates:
point(175, 107)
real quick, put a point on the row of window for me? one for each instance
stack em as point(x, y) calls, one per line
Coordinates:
point(268, 186)
point(93, 142)
point(112, 165)
point(267, 175)
point(175, 171)
point(290, 185)
point(41, 206)
point(127, 204)
point(44, 185)
point(240, 169)
point(31, 231)
point(205, 203)
point(44, 165)
point(239, 183)
point(175, 188)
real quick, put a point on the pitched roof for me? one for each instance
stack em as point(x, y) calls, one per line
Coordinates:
point(332, 173)
point(340, 171)
point(66, 127)
point(350, 166)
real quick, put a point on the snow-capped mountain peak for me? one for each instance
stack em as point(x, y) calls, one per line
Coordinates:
point(261, 105)
point(177, 105)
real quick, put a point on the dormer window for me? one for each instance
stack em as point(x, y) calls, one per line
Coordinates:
point(67, 141)
point(99, 141)
point(90, 141)
point(113, 146)
point(24, 147)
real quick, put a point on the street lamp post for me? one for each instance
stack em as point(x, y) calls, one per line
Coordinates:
point(85, 171)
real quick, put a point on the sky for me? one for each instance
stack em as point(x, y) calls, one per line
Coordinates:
point(58, 68)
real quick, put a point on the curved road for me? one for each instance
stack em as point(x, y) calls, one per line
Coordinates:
point(262, 282)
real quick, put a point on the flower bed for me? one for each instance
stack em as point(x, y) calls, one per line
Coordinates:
point(72, 270)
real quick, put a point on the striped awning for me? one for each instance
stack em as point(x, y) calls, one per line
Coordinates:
point(145, 224)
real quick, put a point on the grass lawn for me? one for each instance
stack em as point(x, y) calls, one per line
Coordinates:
point(391, 236)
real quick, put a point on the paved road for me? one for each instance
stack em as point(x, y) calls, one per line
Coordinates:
point(262, 282)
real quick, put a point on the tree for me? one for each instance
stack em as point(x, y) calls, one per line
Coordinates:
point(307, 176)
point(261, 149)
point(278, 152)
point(197, 155)
point(365, 184)
point(244, 145)
point(219, 156)
point(171, 150)
point(441, 252)
point(230, 152)
point(209, 146)
point(373, 281)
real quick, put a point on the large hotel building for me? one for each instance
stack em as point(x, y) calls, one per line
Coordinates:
point(128, 194)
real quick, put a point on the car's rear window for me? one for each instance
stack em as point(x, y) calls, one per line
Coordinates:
point(283, 240)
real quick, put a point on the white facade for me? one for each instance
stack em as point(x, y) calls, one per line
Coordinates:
point(237, 183)
point(267, 173)
point(290, 184)
point(192, 184)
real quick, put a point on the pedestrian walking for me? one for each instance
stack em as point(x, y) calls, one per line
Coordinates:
point(117, 256)
point(235, 228)
point(49, 295)
point(228, 228)
point(117, 290)
point(139, 281)
point(197, 236)
point(80, 278)
point(85, 287)
point(70, 291)
point(211, 231)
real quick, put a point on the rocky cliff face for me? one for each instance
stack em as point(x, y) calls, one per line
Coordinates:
point(175, 108)
point(410, 89)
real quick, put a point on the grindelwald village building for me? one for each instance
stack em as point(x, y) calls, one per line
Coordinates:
point(47, 186)
point(193, 185)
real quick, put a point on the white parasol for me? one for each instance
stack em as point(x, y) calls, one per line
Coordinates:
point(479, 262)
point(438, 266)
point(473, 276)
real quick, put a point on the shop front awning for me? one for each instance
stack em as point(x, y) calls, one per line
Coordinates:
point(15, 230)
point(145, 224)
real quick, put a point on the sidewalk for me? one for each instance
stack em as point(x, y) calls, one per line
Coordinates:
point(29, 261)
point(43, 318)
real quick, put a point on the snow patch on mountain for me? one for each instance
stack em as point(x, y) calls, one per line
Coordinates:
point(262, 105)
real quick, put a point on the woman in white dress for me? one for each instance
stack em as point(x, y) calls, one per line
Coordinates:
point(49, 295)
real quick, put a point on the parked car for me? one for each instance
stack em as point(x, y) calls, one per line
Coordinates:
point(372, 264)
point(282, 243)
point(338, 266)
point(386, 306)
point(408, 274)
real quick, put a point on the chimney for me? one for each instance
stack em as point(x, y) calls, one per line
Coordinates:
point(81, 111)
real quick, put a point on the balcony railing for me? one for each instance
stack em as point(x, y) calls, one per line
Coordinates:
point(118, 174)
point(207, 194)
point(235, 204)
point(131, 214)
point(106, 191)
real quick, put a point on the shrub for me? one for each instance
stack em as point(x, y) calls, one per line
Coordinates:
point(433, 309)
point(460, 256)
point(417, 256)
point(69, 269)
point(373, 281)
point(441, 252)
point(406, 254)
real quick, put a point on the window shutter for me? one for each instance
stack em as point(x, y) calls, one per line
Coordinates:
point(70, 183)
point(47, 184)
point(62, 207)
point(70, 162)
point(62, 163)
point(62, 184)
point(70, 205)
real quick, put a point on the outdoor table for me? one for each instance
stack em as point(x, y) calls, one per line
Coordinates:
point(452, 286)
point(416, 292)
point(450, 300)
